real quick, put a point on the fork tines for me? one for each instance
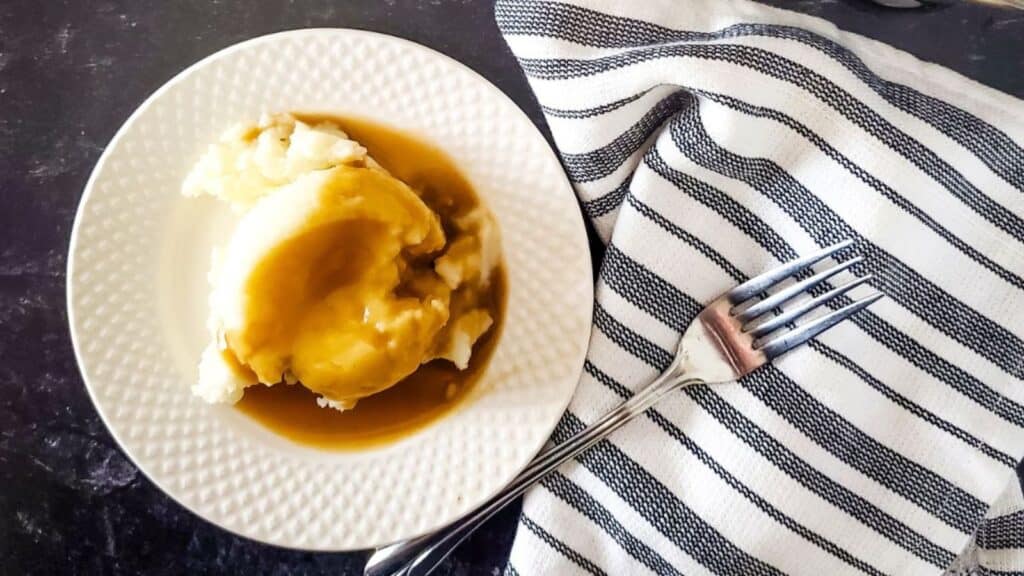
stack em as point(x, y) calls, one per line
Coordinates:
point(747, 316)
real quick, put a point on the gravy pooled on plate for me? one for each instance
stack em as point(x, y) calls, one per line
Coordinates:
point(435, 387)
point(351, 298)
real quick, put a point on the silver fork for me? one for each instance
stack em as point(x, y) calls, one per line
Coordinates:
point(729, 339)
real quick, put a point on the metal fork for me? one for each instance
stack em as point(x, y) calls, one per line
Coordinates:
point(731, 337)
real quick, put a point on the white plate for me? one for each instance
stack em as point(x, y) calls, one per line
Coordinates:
point(137, 295)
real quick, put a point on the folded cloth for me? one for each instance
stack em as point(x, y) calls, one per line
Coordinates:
point(710, 140)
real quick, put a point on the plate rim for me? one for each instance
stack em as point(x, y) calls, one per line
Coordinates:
point(88, 190)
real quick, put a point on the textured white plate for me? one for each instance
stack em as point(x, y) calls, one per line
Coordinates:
point(137, 295)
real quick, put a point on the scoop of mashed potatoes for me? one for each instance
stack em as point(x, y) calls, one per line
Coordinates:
point(338, 276)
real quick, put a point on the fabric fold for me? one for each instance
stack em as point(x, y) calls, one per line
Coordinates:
point(709, 141)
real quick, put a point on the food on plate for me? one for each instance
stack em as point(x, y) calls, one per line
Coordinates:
point(339, 277)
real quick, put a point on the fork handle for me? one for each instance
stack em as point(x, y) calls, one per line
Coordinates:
point(419, 556)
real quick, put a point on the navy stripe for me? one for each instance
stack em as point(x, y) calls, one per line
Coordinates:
point(560, 547)
point(983, 571)
point(620, 270)
point(826, 427)
point(760, 502)
point(868, 179)
point(636, 344)
point(992, 146)
point(733, 482)
point(612, 163)
point(694, 242)
point(510, 570)
point(1002, 532)
point(806, 475)
point(830, 430)
point(637, 284)
point(886, 334)
point(601, 162)
point(607, 202)
point(906, 477)
point(608, 382)
point(595, 111)
point(830, 490)
point(798, 75)
point(661, 507)
point(570, 493)
point(908, 405)
point(899, 281)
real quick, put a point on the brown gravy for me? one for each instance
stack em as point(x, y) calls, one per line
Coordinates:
point(436, 387)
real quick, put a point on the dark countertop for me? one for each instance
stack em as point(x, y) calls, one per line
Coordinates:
point(70, 74)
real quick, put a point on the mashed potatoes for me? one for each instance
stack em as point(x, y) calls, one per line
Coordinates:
point(339, 276)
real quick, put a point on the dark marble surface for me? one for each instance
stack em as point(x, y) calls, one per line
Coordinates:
point(70, 73)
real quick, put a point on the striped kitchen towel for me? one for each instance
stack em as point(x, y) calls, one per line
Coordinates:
point(710, 140)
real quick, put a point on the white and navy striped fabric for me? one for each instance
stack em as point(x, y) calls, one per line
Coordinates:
point(998, 544)
point(710, 140)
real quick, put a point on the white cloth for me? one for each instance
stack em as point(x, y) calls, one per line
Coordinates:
point(710, 140)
